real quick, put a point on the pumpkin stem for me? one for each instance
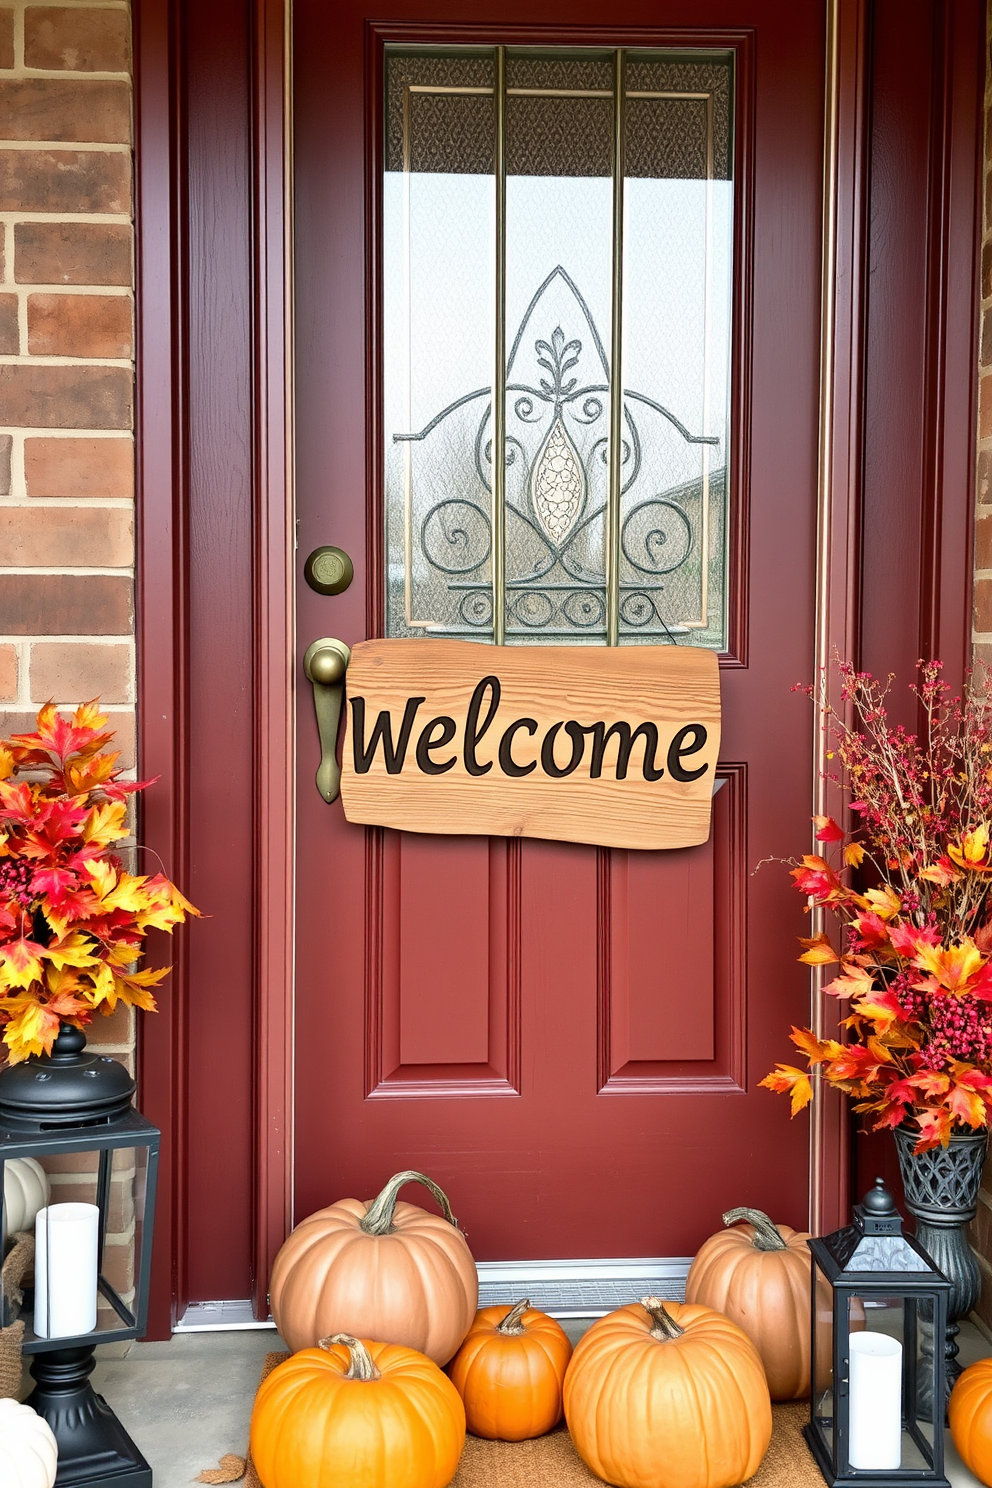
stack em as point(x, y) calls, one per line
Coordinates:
point(665, 1326)
point(766, 1236)
point(362, 1365)
point(512, 1324)
point(378, 1218)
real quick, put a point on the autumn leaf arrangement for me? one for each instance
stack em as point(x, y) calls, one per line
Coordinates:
point(72, 919)
point(910, 887)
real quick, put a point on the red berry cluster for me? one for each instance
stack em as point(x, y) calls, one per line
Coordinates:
point(960, 1028)
point(15, 881)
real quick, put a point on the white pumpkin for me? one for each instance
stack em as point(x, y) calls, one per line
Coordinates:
point(28, 1451)
point(25, 1190)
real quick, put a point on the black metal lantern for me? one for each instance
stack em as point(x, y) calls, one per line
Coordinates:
point(878, 1303)
point(74, 1107)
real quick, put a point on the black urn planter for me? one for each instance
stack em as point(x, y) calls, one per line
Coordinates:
point(941, 1187)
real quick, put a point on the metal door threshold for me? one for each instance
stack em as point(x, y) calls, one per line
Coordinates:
point(219, 1317)
point(577, 1289)
point(565, 1289)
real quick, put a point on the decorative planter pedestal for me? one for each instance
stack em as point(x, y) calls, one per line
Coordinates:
point(941, 1188)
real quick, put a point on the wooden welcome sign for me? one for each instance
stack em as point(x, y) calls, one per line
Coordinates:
point(609, 745)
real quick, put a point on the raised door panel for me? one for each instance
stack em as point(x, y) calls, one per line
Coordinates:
point(672, 984)
point(442, 917)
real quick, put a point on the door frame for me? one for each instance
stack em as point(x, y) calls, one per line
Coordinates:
point(167, 642)
point(173, 655)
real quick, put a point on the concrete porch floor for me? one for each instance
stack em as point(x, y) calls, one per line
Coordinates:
point(188, 1401)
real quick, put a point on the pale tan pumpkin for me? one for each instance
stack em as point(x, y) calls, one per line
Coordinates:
point(383, 1270)
point(758, 1275)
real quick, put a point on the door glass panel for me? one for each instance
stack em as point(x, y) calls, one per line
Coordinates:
point(503, 210)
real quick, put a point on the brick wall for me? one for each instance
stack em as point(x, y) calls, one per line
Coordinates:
point(67, 388)
point(66, 366)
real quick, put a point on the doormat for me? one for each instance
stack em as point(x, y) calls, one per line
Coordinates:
point(552, 1462)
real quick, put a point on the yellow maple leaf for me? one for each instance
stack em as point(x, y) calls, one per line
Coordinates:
point(72, 950)
point(32, 1030)
point(103, 988)
point(972, 850)
point(102, 875)
point(127, 894)
point(181, 904)
point(61, 980)
point(818, 952)
point(134, 989)
point(105, 824)
point(159, 917)
point(88, 715)
point(884, 901)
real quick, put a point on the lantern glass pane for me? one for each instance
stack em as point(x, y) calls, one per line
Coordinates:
point(890, 1374)
point(885, 1253)
point(97, 1199)
point(823, 1384)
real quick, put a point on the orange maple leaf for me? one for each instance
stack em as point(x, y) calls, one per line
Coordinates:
point(788, 1080)
point(854, 981)
point(20, 962)
point(935, 1128)
point(943, 872)
point(958, 968)
point(815, 1049)
point(965, 1105)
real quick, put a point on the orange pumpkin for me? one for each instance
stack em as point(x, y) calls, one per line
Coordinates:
point(353, 1415)
point(377, 1270)
point(666, 1395)
point(969, 1413)
point(509, 1372)
point(758, 1274)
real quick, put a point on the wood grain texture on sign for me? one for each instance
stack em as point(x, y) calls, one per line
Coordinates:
point(615, 746)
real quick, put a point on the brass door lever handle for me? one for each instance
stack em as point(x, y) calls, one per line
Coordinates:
point(325, 664)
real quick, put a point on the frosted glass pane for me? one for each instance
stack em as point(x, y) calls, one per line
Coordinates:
point(438, 276)
point(439, 306)
point(677, 299)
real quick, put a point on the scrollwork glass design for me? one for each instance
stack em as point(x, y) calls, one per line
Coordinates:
point(438, 306)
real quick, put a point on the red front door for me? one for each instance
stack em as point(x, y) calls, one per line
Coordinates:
point(569, 1040)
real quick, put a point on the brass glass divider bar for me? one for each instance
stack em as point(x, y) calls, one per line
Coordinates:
point(612, 535)
point(498, 462)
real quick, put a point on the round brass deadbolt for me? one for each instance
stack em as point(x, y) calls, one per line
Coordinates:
point(329, 570)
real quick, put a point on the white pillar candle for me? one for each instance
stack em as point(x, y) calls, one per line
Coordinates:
point(876, 1402)
point(65, 1274)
